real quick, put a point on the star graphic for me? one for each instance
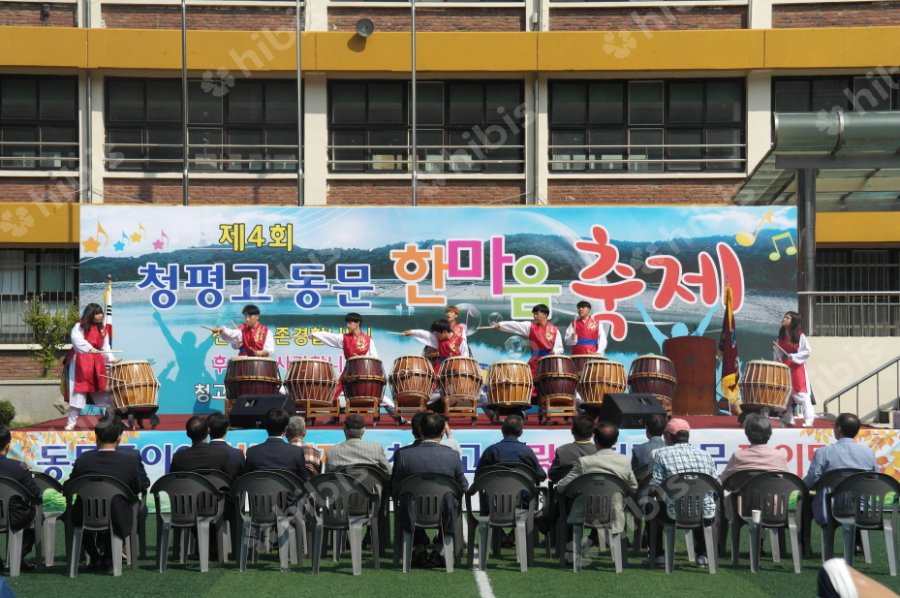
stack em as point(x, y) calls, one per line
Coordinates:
point(158, 244)
point(91, 245)
point(135, 237)
point(119, 246)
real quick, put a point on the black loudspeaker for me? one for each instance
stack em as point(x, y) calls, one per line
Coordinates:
point(248, 410)
point(628, 410)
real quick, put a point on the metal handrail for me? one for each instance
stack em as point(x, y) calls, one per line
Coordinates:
point(856, 384)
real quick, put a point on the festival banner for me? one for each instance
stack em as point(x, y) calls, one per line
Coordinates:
point(651, 273)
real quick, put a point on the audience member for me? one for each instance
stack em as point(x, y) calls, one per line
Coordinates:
point(354, 450)
point(218, 428)
point(296, 435)
point(642, 454)
point(275, 453)
point(759, 455)
point(200, 455)
point(511, 450)
point(20, 515)
point(568, 454)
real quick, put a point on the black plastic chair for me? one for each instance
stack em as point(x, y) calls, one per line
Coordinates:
point(45, 523)
point(427, 493)
point(273, 501)
point(195, 503)
point(599, 497)
point(346, 504)
point(770, 493)
point(95, 494)
point(642, 475)
point(519, 467)
point(374, 478)
point(645, 510)
point(223, 482)
point(688, 491)
point(731, 485)
point(11, 489)
point(507, 498)
point(823, 489)
point(860, 501)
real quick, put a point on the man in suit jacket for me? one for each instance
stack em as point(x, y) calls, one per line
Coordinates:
point(276, 452)
point(642, 454)
point(125, 466)
point(21, 514)
point(605, 460)
point(512, 450)
point(568, 454)
point(200, 455)
point(354, 450)
point(218, 427)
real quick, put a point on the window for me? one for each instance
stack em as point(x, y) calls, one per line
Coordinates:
point(38, 123)
point(873, 91)
point(647, 126)
point(52, 273)
point(250, 125)
point(462, 126)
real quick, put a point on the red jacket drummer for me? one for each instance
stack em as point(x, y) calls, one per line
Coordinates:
point(543, 337)
point(86, 363)
point(252, 339)
point(587, 334)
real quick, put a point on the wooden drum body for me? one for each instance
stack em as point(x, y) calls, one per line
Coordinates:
point(460, 378)
point(581, 360)
point(251, 376)
point(311, 380)
point(765, 384)
point(509, 384)
point(363, 378)
point(556, 377)
point(654, 374)
point(132, 384)
point(600, 378)
point(411, 379)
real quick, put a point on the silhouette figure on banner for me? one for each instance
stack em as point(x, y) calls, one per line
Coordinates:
point(190, 356)
point(678, 328)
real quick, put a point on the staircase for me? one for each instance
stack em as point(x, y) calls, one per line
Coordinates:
point(882, 382)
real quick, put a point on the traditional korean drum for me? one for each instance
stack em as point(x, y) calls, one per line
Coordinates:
point(654, 374)
point(556, 377)
point(509, 384)
point(132, 384)
point(765, 384)
point(311, 380)
point(363, 377)
point(600, 378)
point(460, 378)
point(412, 378)
point(581, 360)
point(251, 376)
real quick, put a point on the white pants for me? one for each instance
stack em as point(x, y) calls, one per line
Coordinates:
point(804, 400)
point(78, 400)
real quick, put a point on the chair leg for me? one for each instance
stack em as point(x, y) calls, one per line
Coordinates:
point(118, 546)
point(776, 545)
point(203, 544)
point(14, 548)
point(577, 547)
point(246, 528)
point(617, 546)
point(407, 550)
point(356, 547)
point(827, 542)
point(689, 544)
point(317, 548)
point(712, 554)
point(484, 529)
point(891, 544)
point(77, 534)
point(376, 543)
point(652, 535)
point(470, 549)
point(522, 544)
point(867, 547)
point(48, 531)
point(735, 539)
point(162, 545)
point(283, 526)
point(849, 530)
point(795, 546)
point(450, 551)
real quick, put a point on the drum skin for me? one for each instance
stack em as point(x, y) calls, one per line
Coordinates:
point(311, 380)
point(765, 384)
point(600, 378)
point(251, 376)
point(509, 383)
point(363, 377)
point(556, 377)
point(132, 384)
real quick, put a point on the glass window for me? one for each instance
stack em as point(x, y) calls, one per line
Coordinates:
point(204, 107)
point(348, 103)
point(501, 100)
point(831, 93)
point(281, 102)
point(872, 93)
point(792, 96)
point(430, 103)
point(685, 144)
point(466, 103)
point(58, 99)
point(686, 102)
point(608, 149)
point(125, 100)
point(386, 103)
point(18, 99)
point(348, 155)
point(607, 103)
point(645, 145)
point(645, 102)
point(24, 272)
point(164, 100)
point(731, 141)
point(724, 102)
point(568, 151)
point(568, 103)
point(245, 102)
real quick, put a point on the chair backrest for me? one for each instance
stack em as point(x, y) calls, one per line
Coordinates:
point(339, 496)
point(596, 492)
point(219, 478)
point(501, 493)
point(644, 506)
point(427, 491)
point(190, 494)
point(519, 467)
point(267, 495)
point(370, 475)
point(688, 491)
point(642, 472)
point(863, 498)
point(96, 493)
point(9, 489)
point(736, 481)
point(824, 485)
point(46, 482)
point(770, 493)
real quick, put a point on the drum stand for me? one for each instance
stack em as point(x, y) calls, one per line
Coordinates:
point(311, 409)
point(460, 406)
point(501, 410)
point(370, 406)
point(410, 403)
point(556, 406)
point(139, 413)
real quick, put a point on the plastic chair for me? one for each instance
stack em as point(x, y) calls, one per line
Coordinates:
point(688, 490)
point(770, 494)
point(427, 492)
point(195, 503)
point(95, 494)
point(45, 523)
point(374, 478)
point(519, 467)
point(10, 489)
point(642, 475)
point(344, 503)
point(272, 501)
point(222, 481)
point(501, 496)
point(645, 512)
point(732, 485)
point(860, 501)
point(823, 489)
point(595, 494)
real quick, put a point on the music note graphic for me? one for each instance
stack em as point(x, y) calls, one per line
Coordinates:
point(791, 249)
point(746, 239)
point(101, 231)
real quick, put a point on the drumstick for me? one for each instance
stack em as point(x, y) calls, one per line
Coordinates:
point(783, 352)
point(397, 333)
point(485, 328)
point(111, 351)
point(210, 328)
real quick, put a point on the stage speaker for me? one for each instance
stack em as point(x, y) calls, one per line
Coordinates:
point(628, 410)
point(248, 410)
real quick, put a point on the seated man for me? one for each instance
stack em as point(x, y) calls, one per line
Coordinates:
point(200, 455)
point(568, 454)
point(759, 455)
point(218, 428)
point(642, 454)
point(354, 450)
point(125, 466)
point(275, 452)
point(20, 515)
point(605, 460)
point(296, 435)
point(511, 450)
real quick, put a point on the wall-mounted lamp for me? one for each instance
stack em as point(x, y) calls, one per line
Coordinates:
point(365, 27)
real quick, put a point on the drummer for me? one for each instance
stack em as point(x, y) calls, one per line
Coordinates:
point(587, 334)
point(251, 338)
point(543, 337)
point(354, 343)
point(86, 363)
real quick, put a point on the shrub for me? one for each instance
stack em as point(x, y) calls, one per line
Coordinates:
point(50, 330)
point(7, 413)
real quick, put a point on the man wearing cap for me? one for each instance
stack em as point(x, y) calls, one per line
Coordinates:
point(354, 450)
point(678, 456)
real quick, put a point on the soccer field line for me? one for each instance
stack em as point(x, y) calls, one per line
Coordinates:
point(484, 584)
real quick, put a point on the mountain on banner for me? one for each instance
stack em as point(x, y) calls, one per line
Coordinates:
point(729, 351)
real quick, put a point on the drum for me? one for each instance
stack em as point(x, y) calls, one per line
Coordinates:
point(132, 384)
point(311, 380)
point(654, 374)
point(251, 376)
point(556, 377)
point(509, 383)
point(581, 360)
point(412, 377)
point(765, 384)
point(599, 378)
point(363, 377)
point(460, 378)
